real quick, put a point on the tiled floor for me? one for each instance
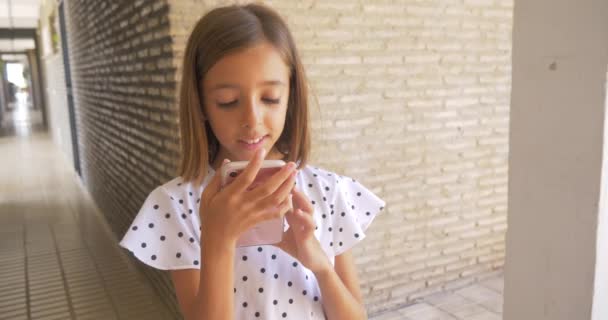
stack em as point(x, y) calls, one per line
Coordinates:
point(481, 301)
point(57, 260)
point(20, 118)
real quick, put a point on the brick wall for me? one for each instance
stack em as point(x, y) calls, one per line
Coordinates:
point(423, 88)
point(123, 75)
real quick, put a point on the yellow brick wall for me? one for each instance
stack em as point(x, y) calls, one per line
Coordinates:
point(414, 102)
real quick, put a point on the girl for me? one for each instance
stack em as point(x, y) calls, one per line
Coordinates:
point(243, 92)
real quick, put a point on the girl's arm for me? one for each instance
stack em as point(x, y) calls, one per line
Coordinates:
point(207, 293)
point(340, 290)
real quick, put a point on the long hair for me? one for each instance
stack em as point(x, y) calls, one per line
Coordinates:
point(221, 31)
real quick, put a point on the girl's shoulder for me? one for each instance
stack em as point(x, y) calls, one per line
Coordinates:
point(330, 182)
point(179, 187)
point(165, 232)
point(343, 208)
point(321, 173)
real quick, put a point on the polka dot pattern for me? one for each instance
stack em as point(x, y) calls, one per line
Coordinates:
point(269, 283)
point(167, 238)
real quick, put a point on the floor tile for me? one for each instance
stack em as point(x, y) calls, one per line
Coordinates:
point(479, 301)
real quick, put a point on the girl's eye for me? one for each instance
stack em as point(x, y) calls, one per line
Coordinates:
point(234, 102)
point(227, 104)
point(271, 101)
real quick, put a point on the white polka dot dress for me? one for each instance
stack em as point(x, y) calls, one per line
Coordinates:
point(268, 283)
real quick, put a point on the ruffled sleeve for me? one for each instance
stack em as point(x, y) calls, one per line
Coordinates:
point(165, 233)
point(355, 207)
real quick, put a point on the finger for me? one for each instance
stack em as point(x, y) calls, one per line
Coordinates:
point(300, 200)
point(280, 195)
point(272, 212)
point(291, 219)
point(308, 217)
point(247, 176)
point(306, 223)
point(287, 242)
point(298, 224)
point(215, 184)
point(273, 183)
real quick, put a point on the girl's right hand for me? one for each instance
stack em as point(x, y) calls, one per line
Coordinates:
point(227, 213)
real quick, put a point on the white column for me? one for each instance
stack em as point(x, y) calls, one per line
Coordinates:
point(557, 241)
point(600, 298)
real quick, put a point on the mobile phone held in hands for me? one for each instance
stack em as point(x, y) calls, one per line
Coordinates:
point(265, 232)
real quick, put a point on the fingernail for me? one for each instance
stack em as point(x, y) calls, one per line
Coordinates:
point(262, 153)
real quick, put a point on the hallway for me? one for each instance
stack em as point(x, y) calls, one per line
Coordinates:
point(20, 118)
point(57, 259)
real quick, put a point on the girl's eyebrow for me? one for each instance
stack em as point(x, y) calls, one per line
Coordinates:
point(234, 86)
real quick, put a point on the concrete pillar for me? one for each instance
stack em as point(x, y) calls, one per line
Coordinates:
point(3, 100)
point(557, 241)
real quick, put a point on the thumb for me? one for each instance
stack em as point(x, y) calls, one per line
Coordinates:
point(300, 201)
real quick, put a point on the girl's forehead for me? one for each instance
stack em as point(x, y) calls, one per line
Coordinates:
point(265, 83)
point(259, 64)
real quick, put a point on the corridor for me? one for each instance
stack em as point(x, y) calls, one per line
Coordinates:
point(57, 259)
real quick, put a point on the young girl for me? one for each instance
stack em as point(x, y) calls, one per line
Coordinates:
point(244, 97)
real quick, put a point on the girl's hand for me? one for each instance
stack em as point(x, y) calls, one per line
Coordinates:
point(299, 240)
point(227, 213)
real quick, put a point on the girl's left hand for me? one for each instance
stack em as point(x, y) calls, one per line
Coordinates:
point(299, 240)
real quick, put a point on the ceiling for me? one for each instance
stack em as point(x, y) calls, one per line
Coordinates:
point(17, 58)
point(16, 44)
point(18, 14)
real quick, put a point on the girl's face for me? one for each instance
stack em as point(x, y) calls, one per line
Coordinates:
point(246, 96)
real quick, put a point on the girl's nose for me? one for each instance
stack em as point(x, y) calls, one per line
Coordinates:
point(253, 113)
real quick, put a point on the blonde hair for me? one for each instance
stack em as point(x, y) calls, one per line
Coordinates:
point(222, 31)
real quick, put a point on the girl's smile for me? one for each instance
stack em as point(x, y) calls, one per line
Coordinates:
point(252, 144)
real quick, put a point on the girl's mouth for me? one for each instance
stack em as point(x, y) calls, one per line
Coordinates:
point(254, 144)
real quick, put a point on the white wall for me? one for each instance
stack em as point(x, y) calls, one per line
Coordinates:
point(560, 54)
point(54, 89)
point(600, 298)
point(57, 104)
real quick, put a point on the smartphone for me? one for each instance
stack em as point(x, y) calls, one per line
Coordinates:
point(265, 232)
